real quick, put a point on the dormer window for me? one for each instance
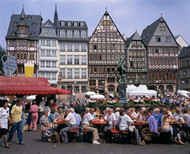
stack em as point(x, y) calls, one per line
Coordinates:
point(32, 33)
point(29, 17)
point(62, 23)
point(69, 23)
point(15, 23)
point(33, 24)
point(82, 24)
point(13, 33)
point(75, 23)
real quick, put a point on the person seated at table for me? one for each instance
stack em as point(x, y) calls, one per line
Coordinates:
point(125, 125)
point(185, 114)
point(111, 118)
point(166, 127)
point(169, 111)
point(79, 116)
point(105, 111)
point(59, 113)
point(97, 112)
point(152, 122)
point(134, 115)
point(178, 115)
point(76, 116)
point(140, 115)
point(70, 123)
point(45, 125)
point(158, 116)
point(188, 126)
point(117, 115)
point(52, 116)
point(92, 113)
point(86, 124)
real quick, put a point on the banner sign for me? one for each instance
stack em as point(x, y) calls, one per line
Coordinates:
point(10, 65)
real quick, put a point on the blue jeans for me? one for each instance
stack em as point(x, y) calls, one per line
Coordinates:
point(17, 126)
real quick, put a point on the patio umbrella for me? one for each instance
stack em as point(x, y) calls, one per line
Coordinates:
point(90, 93)
point(97, 96)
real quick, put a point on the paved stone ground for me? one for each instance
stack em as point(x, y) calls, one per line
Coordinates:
point(33, 145)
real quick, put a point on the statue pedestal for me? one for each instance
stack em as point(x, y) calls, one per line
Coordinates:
point(122, 93)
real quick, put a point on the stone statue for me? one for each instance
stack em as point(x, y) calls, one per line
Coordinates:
point(122, 80)
point(122, 71)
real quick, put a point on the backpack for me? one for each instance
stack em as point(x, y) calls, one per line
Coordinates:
point(55, 138)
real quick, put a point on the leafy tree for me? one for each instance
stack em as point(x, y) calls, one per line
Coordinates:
point(2, 52)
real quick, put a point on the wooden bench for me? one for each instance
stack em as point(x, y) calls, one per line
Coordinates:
point(124, 132)
point(87, 135)
point(115, 134)
point(164, 136)
point(85, 130)
point(74, 130)
point(72, 133)
point(43, 137)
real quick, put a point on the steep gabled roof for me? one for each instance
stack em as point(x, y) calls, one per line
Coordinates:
point(44, 24)
point(134, 37)
point(149, 31)
point(107, 14)
point(184, 52)
point(32, 21)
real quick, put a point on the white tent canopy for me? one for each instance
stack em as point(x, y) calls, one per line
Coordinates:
point(130, 87)
point(183, 93)
point(97, 96)
point(90, 93)
point(142, 90)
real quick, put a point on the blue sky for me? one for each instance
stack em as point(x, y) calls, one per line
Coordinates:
point(128, 15)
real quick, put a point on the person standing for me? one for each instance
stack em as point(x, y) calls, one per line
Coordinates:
point(34, 116)
point(16, 118)
point(4, 117)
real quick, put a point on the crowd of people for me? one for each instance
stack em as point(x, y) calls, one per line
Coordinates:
point(175, 120)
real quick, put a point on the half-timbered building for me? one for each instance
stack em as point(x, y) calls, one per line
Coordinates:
point(106, 45)
point(162, 51)
point(136, 60)
point(22, 39)
point(184, 69)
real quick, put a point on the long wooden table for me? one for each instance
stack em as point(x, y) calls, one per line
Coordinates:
point(99, 122)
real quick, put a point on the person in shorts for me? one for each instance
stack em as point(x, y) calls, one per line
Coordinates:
point(4, 117)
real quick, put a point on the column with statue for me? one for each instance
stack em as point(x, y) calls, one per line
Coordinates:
point(122, 80)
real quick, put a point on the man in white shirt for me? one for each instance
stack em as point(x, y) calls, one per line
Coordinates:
point(125, 125)
point(70, 125)
point(134, 115)
point(117, 115)
point(111, 118)
point(86, 125)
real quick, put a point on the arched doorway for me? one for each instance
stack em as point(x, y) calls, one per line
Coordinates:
point(169, 88)
point(161, 87)
point(152, 87)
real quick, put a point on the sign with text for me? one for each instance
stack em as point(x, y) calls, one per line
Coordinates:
point(10, 65)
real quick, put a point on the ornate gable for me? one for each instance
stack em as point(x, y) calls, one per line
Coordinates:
point(106, 25)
